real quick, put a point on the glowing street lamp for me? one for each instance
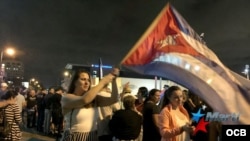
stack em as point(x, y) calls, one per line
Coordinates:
point(9, 51)
point(32, 80)
point(66, 74)
point(34, 84)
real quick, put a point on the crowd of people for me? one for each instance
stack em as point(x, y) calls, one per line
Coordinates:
point(25, 108)
point(85, 112)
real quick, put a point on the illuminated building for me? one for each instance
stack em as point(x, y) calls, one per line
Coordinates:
point(14, 71)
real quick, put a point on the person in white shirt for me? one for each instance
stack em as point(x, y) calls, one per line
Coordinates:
point(80, 107)
point(20, 100)
point(21, 103)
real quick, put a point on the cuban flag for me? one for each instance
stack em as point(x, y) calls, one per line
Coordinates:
point(171, 49)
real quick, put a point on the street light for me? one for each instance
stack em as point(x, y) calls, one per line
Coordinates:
point(32, 80)
point(8, 51)
point(66, 79)
point(66, 74)
point(34, 84)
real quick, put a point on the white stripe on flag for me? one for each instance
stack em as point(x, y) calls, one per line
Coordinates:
point(226, 98)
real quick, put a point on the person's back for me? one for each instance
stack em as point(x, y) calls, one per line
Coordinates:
point(126, 124)
point(55, 101)
point(47, 101)
point(13, 117)
point(21, 102)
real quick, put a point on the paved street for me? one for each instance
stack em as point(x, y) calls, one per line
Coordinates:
point(35, 137)
point(32, 135)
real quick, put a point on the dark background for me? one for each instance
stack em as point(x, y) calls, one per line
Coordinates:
point(48, 34)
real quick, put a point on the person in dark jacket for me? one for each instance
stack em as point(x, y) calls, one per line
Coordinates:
point(31, 109)
point(40, 109)
point(56, 108)
point(126, 123)
point(47, 114)
point(150, 114)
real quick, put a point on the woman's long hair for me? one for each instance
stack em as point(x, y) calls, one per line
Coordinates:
point(167, 95)
point(75, 77)
point(151, 95)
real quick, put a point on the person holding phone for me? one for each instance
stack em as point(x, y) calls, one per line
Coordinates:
point(175, 123)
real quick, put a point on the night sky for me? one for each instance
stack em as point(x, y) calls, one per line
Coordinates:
point(48, 34)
